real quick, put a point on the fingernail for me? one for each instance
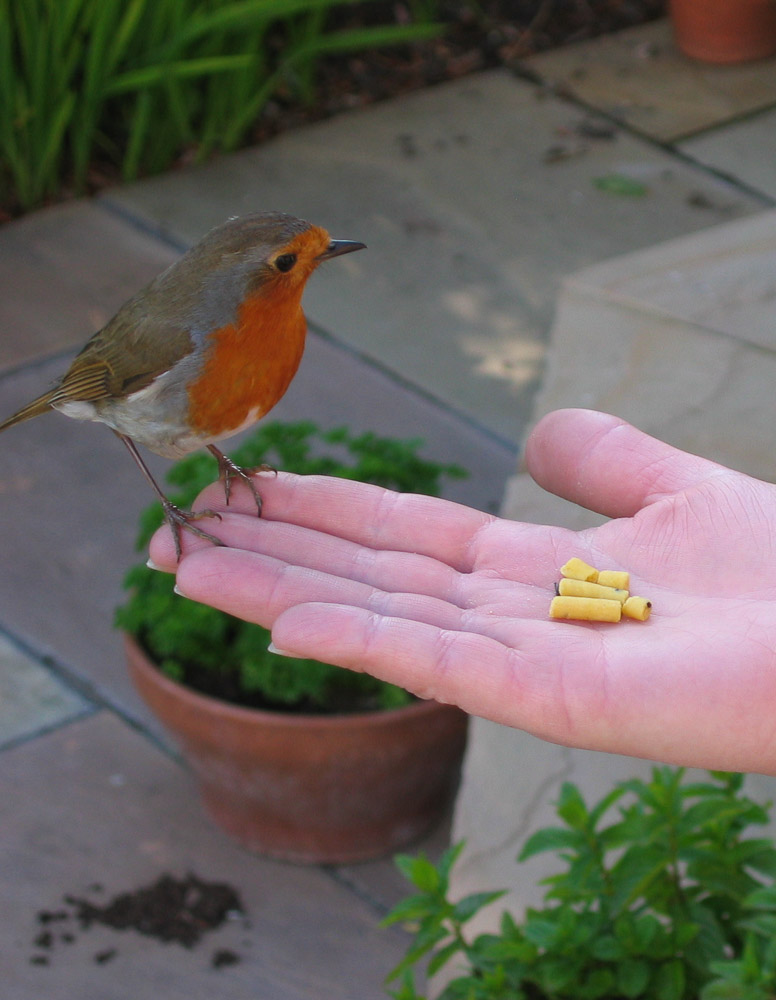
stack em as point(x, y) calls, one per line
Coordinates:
point(152, 565)
point(176, 590)
point(272, 648)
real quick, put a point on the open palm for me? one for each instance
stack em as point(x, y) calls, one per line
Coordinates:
point(452, 603)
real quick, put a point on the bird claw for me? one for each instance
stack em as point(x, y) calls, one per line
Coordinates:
point(183, 519)
point(229, 471)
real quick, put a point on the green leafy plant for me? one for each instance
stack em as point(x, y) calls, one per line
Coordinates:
point(223, 656)
point(666, 897)
point(135, 83)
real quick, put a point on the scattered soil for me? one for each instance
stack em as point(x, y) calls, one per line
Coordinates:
point(178, 910)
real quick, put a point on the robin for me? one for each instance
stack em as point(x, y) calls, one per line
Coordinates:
point(201, 353)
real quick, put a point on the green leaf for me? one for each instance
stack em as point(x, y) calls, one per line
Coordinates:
point(410, 910)
point(710, 941)
point(597, 984)
point(541, 932)
point(406, 990)
point(607, 948)
point(467, 907)
point(425, 941)
point(365, 38)
point(550, 839)
point(555, 974)
point(183, 69)
point(638, 934)
point(512, 952)
point(763, 898)
point(763, 924)
point(571, 807)
point(669, 981)
point(633, 977)
point(636, 870)
point(424, 875)
point(602, 807)
point(441, 957)
point(448, 860)
point(621, 185)
point(761, 857)
point(418, 870)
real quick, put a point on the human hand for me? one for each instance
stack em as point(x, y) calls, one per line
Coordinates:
point(452, 603)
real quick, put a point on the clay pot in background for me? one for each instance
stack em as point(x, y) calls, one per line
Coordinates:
point(313, 788)
point(724, 31)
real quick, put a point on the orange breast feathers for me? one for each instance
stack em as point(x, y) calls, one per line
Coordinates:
point(249, 363)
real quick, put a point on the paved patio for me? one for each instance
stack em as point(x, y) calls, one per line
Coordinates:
point(478, 200)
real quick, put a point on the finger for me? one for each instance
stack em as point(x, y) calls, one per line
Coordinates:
point(607, 465)
point(312, 549)
point(471, 670)
point(258, 588)
point(303, 547)
point(506, 554)
point(363, 513)
point(391, 571)
point(622, 696)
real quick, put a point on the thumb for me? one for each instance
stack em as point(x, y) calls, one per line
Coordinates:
point(605, 464)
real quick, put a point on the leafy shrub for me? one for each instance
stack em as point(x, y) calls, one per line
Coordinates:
point(223, 656)
point(669, 900)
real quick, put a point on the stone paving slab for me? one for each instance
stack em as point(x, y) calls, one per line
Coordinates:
point(678, 339)
point(95, 802)
point(71, 498)
point(639, 77)
point(721, 279)
point(32, 699)
point(745, 150)
point(64, 272)
point(470, 231)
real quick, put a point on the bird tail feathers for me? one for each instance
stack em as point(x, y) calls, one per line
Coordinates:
point(40, 405)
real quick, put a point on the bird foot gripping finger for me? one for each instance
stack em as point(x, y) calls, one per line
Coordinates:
point(229, 470)
point(179, 520)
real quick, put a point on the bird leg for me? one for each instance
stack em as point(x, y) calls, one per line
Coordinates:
point(174, 516)
point(228, 470)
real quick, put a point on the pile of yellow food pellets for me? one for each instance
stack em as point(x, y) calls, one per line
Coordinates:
point(587, 594)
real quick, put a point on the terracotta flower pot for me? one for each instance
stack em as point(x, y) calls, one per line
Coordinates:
point(311, 788)
point(725, 31)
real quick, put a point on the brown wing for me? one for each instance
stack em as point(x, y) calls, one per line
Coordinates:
point(85, 380)
point(141, 342)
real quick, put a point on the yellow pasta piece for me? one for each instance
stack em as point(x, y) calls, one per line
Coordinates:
point(614, 578)
point(577, 569)
point(590, 609)
point(581, 588)
point(637, 607)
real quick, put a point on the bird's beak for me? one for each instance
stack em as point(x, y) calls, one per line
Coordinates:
point(338, 247)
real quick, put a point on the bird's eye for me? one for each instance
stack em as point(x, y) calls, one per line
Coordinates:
point(285, 262)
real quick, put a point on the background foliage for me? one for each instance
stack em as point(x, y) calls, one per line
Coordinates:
point(670, 898)
point(135, 83)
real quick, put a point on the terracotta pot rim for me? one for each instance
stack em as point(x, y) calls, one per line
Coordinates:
point(378, 717)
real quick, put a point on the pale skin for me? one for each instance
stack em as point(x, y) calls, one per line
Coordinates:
point(452, 603)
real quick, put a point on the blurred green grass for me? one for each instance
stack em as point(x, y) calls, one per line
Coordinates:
point(136, 83)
